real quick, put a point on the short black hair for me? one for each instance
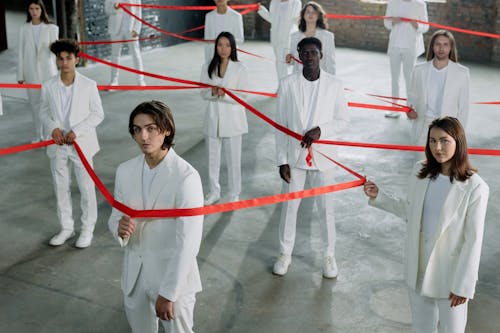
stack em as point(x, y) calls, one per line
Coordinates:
point(309, 41)
point(162, 116)
point(65, 45)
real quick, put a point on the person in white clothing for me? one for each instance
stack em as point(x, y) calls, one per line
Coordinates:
point(36, 63)
point(225, 119)
point(311, 103)
point(283, 16)
point(439, 87)
point(313, 23)
point(71, 110)
point(444, 213)
point(122, 26)
point(223, 18)
point(406, 42)
point(160, 276)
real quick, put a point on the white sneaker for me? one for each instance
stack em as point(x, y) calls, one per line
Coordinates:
point(233, 198)
point(392, 114)
point(141, 83)
point(211, 198)
point(84, 240)
point(330, 270)
point(281, 266)
point(61, 237)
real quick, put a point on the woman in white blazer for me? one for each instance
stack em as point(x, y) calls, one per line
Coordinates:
point(313, 24)
point(283, 16)
point(225, 119)
point(160, 276)
point(445, 211)
point(36, 63)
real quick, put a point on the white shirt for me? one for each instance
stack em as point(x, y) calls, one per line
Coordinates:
point(402, 30)
point(435, 89)
point(36, 32)
point(66, 93)
point(148, 175)
point(310, 95)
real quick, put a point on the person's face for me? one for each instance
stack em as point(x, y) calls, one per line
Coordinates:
point(224, 48)
point(35, 11)
point(221, 2)
point(147, 134)
point(311, 15)
point(442, 47)
point(442, 145)
point(67, 62)
point(310, 56)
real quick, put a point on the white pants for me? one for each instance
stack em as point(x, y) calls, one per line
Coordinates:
point(116, 50)
point(232, 149)
point(430, 314)
point(141, 314)
point(61, 175)
point(35, 99)
point(398, 57)
point(282, 68)
point(324, 203)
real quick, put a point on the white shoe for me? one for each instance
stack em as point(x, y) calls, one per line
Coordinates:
point(211, 198)
point(113, 83)
point(392, 114)
point(141, 83)
point(84, 240)
point(330, 270)
point(61, 237)
point(233, 198)
point(281, 265)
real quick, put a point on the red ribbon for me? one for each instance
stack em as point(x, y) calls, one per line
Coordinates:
point(252, 7)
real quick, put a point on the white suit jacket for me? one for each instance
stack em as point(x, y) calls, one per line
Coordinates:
point(330, 115)
point(86, 112)
point(233, 23)
point(454, 261)
point(163, 251)
point(116, 16)
point(455, 95)
point(418, 12)
point(225, 117)
point(36, 64)
point(280, 35)
point(327, 38)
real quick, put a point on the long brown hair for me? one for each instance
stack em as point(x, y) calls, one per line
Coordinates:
point(460, 168)
point(453, 53)
point(320, 23)
point(44, 17)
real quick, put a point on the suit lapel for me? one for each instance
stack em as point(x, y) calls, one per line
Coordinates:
point(450, 79)
point(162, 173)
point(418, 201)
point(75, 99)
point(135, 184)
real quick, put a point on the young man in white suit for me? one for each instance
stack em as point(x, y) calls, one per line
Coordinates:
point(311, 103)
point(223, 18)
point(122, 26)
point(406, 42)
point(160, 275)
point(439, 87)
point(71, 110)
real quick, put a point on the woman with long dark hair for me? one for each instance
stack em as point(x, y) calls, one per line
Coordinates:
point(445, 211)
point(225, 119)
point(36, 63)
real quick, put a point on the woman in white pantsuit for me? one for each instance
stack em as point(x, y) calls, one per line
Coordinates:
point(445, 211)
point(36, 63)
point(225, 119)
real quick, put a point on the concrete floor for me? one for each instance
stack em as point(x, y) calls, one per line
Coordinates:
point(64, 289)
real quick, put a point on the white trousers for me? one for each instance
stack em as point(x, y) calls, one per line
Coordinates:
point(432, 315)
point(35, 99)
point(141, 314)
point(134, 49)
point(324, 204)
point(407, 59)
point(232, 150)
point(61, 175)
point(282, 68)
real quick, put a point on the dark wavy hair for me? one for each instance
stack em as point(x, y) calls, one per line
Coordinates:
point(44, 17)
point(65, 45)
point(320, 23)
point(453, 53)
point(162, 116)
point(460, 168)
point(216, 59)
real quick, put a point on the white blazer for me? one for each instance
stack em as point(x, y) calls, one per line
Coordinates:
point(454, 261)
point(418, 11)
point(36, 64)
point(327, 39)
point(86, 112)
point(225, 117)
point(233, 23)
point(281, 27)
point(116, 16)
point(455, 95)
point(163, 251)
point(330, 114)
